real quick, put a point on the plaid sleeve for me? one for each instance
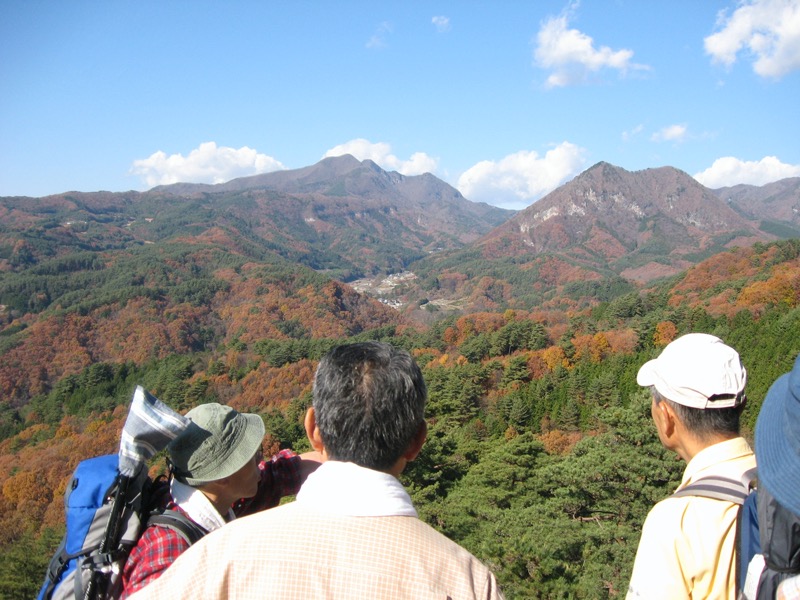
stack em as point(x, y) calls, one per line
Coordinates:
point(280, 476)
point(157, 549)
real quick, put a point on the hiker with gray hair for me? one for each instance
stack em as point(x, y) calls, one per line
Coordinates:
point(218, 473)
point(687, 544)
point(353, 531)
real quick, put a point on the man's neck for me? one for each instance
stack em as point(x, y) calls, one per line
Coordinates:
point(218, 497)
point(691, 445)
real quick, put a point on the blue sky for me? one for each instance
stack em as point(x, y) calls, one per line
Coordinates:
point(505, 100)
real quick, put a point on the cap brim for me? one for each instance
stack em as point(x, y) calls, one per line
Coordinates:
point(778, 462)
point(647, 374)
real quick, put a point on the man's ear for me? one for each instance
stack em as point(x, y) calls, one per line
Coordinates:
point(667, 418)
point(312, 431)
point(417, 442)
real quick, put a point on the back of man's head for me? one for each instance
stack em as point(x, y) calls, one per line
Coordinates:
point(369, 403)
point(704, 381)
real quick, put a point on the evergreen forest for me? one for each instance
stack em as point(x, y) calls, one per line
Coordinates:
point(541, 457)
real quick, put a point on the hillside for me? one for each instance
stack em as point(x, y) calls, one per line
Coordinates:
point(159, 300)
point(540, 449)
point(373, 220)
point(184, 268)
point(606, 231)
point(87, 278)
point(529, 329)
point(624, 221)
point(341, 216)
point(345, 176)
point(776, 206)
point(540, 454)
point(415, 241)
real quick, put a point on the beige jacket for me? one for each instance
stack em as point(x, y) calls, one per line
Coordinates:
point(687, 544)
point(299, 552)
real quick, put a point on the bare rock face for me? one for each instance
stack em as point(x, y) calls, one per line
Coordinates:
point(623, 220)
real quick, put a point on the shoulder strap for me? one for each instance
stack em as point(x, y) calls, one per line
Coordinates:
point(748, 543)
point(179, 523)
point(720, 488)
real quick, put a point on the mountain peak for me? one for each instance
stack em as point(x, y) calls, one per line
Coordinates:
point(608, 217)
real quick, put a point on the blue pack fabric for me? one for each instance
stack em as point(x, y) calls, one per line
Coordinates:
point(748, 542)
point(81, 568)
point(88, 487)
point(108, 502)
point(88, 504)
point(776, 544)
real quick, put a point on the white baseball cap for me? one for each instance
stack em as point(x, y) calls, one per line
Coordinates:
point(697, 370)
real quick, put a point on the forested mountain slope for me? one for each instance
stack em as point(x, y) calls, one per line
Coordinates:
point(436, 204)
point(341, 216)
point(606, 230)
point(775, 205)
point(152, 302)
point(607, 213)
point(541, 458)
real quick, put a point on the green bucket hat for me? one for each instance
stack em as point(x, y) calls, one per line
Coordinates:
point(218, 442)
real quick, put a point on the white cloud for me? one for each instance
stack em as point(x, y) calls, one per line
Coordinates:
point(378, 39)
point(629, 135)
point(671, 133)
point(520, 179)
point(571, 56)
point(207, 163)
point(381, 153)
point(729, 171)
point(441, 23)
point(767, 30)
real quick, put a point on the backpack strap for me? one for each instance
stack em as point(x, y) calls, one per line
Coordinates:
point(720, 488)
point(179, 523)
point(55, 569)
point(748, 542)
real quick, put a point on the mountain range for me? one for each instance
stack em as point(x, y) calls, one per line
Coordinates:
point(353, 221)
point(343, 216)
point(644, 224)
point(231, 293)
point(374, 220)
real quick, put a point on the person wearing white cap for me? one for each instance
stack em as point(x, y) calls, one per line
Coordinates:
point(687, 545)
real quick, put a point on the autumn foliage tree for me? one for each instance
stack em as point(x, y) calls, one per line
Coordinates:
point(540, 457)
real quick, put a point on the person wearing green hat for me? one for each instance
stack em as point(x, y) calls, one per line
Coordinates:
point(217, 474)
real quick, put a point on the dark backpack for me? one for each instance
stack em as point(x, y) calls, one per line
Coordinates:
point(88, 563)
point(767, 544)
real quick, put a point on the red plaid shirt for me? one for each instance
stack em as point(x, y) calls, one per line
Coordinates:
point(158, 547)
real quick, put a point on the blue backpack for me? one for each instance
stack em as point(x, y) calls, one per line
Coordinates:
point(105, 515)
point(767, 545)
